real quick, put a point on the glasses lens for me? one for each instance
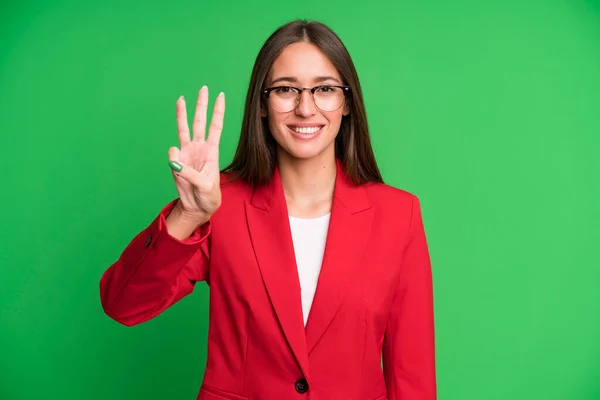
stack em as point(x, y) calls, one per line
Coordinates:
point(283, 99)
point(326, 98)
point(329, 98)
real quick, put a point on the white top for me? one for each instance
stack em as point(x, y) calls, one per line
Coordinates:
point(309, 236)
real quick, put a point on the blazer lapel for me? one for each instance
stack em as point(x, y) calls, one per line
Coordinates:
point(271, 237)
point(349, 226)
point(268, 223)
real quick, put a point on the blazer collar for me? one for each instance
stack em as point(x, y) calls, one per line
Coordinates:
point(353, 197)
point(349, 226)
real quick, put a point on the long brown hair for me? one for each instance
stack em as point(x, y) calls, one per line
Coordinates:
point(256, 155)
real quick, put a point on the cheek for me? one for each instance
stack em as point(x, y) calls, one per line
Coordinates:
point(334, 118)
point(275, 124)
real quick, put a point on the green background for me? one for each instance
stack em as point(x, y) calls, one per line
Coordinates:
point(488, 111)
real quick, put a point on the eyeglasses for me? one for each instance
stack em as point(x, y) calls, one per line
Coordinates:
point(325, 97)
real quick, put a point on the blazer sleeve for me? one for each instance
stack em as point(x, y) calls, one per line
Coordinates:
point(408, 347)
point(154, 271)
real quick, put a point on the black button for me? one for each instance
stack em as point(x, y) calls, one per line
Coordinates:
point(301, 386)
point(149, 240)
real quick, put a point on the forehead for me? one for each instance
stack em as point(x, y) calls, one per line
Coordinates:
point(304, 62)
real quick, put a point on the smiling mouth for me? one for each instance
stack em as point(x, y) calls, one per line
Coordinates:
point(307, 130)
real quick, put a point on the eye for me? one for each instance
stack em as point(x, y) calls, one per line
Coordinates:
point(326, 89)
point(283, 89)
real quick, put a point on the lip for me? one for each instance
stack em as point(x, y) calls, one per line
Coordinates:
point(306, 125)
point(304, 136)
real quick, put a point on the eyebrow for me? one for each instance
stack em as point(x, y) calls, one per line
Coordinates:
point(318, 79)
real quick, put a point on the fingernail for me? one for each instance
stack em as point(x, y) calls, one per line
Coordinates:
point(180, 98)
point(221, 94)
point(203, 87)
point(175, 166)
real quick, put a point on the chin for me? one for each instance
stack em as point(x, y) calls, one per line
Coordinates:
point(305, 155)
point(307, 152)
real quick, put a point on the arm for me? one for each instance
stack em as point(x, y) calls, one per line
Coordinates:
point(409, 343)
point(154, 271)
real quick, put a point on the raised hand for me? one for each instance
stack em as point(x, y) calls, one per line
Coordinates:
point(196, 164)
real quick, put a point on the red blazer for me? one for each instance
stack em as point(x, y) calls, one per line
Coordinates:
point(373, 299)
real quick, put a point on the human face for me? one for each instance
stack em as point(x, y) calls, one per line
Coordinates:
point(304, 65)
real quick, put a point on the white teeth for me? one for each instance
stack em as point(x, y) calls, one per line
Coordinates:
point(307, 130)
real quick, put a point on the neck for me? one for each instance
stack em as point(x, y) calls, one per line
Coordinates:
point(308, 184)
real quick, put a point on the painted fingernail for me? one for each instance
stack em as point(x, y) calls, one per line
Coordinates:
point(175, 166)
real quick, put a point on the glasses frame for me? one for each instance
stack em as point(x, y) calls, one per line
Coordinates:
point(345, 90)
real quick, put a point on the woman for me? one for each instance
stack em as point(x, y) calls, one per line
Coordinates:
point(302, 202)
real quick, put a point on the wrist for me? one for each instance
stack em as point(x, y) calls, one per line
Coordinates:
point(192, 220)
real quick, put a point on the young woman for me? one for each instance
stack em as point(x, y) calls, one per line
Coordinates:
point(317, 270)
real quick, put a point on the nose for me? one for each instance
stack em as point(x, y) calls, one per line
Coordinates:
point(306, 106)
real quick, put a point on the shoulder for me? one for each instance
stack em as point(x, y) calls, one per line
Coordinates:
point(230, 180)
point(384, 195)
point(395, 207)
point(232, 186)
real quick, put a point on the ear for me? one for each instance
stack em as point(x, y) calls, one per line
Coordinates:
point(263, 110)
point(346, 109)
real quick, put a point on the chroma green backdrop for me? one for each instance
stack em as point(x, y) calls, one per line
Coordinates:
point(489, 111)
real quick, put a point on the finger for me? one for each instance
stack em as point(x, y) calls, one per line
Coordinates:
point(174, 153)
point(182, 123)
point(183, 170)
point(216, 122)
point(199, 127)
